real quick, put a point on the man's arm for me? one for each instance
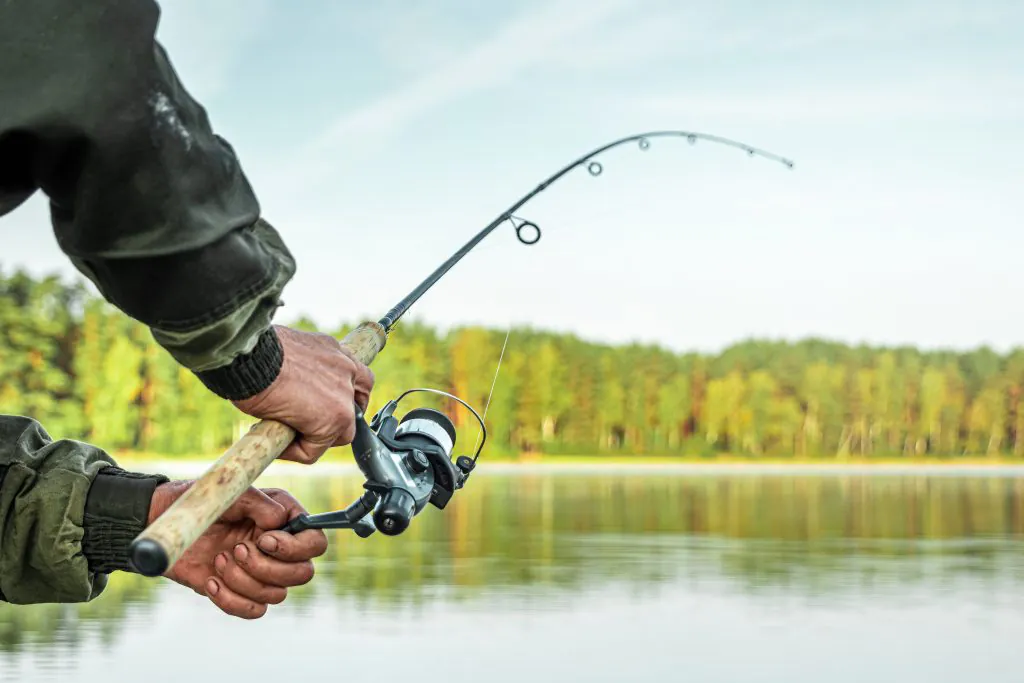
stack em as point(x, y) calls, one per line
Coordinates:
point(67, 515)
point(147, 201)
point(153, 207)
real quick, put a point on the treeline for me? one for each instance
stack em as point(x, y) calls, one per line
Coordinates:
point(88, 372)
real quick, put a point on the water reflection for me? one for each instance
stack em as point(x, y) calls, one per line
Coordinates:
point(537, 540)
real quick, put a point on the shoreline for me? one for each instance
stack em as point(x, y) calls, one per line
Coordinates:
point(333, 466)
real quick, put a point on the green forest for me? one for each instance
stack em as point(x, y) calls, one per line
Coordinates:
point(88, 372)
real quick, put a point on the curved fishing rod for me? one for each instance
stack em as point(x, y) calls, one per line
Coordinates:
point(594, 168)
point(408, 463)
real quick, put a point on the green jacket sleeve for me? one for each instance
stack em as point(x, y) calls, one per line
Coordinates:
point(146, 200)
point(153, 207)
point(67, 515)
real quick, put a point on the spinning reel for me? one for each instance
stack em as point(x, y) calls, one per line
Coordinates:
point(407, 464)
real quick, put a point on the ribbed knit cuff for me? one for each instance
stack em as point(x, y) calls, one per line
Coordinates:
point(116, 511)
point(249, 374)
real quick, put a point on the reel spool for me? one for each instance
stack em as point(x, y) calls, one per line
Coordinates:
point(407, 464)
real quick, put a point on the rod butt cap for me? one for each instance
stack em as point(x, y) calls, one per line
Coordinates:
point(148, 557)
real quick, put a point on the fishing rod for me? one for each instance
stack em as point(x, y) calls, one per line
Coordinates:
point(595, 168)
point(407, 463)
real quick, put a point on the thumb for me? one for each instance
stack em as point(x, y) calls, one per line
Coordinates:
point(305, 451)
point(266, 512)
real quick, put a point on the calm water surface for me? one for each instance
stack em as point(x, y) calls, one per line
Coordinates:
point(597, 577)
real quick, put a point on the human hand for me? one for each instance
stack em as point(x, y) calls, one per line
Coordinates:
point(240, 563)
point(313, 394)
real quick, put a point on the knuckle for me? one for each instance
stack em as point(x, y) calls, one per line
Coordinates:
point(346, 437)
point(320, 547)
point(240, 563)
point(224, 604)
point(255, 610)
point(347, 364)
point(235, 576)
point(343, 421)
point(305, 453)
point(304, 574)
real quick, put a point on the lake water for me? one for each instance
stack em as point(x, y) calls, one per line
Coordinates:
point(563, 576)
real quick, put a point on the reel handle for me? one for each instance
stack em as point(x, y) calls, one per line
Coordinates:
point(353, 517)
point(163, 543)
point(396, 510)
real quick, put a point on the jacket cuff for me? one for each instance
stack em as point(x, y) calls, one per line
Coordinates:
point(116, 511)
point(248, 374)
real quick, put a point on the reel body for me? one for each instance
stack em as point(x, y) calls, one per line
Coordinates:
point(407, 464)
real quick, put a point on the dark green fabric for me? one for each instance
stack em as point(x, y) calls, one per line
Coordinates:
point(153, 207)
point(236, 381)
point(42, 508)
point(146, 200)
point(116, 512)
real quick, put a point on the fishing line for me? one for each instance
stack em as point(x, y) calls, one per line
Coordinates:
point(491, 393)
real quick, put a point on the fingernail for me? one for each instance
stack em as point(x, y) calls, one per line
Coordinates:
point(212, 587)
point(241, 552)
point(221, 562)
point(268, 544)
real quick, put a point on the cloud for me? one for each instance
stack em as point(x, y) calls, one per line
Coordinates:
point(206, 40)
point(854, 104)
point(524, 43)
point(894, 23)
point(415, 40)
point(660, 31)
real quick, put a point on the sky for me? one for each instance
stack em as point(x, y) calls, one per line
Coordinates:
point(379, 137)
